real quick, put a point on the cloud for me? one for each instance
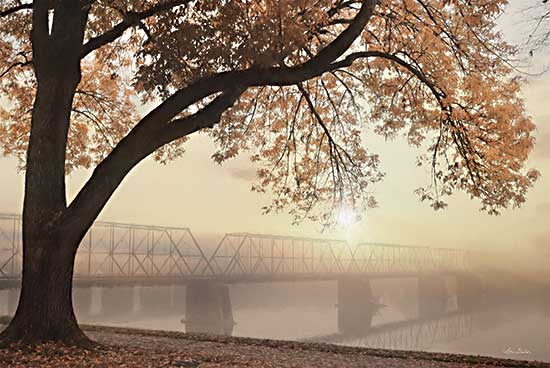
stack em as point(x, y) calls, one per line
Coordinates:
point(246, 174)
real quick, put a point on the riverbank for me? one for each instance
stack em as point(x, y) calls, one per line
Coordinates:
point(123, 347)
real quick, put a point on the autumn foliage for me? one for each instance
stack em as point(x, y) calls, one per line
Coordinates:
point(295, 84)
point(434, 71)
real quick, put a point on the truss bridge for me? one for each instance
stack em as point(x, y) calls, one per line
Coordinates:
point(167, 264)
point(130, 254)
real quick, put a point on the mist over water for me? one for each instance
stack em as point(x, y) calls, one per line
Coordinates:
point(511, 322)
point(411, 298)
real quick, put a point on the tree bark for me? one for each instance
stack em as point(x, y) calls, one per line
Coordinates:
point(45, 310)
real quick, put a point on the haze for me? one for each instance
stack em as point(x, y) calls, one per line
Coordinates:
point(197, 193)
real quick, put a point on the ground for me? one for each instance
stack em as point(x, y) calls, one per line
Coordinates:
point(139, 348)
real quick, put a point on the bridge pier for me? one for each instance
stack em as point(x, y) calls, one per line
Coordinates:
point(468, 292)
point(208, 308)
point(155, 299)
point(117, 301)
point(82, 302)
point(432, 296)
point(355, 306)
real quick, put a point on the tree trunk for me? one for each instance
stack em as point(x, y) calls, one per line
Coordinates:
point(45, 310)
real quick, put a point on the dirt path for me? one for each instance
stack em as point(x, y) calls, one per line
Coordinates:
point(143, 348)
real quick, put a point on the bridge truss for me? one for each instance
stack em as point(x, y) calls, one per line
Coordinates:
point(248, 254)
point(10, 246)
point(128, 251)
point(241, 254)
point(112, 249)
point(386, 258)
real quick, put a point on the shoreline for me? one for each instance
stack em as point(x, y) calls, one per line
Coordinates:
point(169, 341)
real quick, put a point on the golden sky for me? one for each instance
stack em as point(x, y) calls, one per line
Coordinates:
point(210, 199)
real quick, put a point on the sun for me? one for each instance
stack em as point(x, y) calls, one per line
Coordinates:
point(347, 218)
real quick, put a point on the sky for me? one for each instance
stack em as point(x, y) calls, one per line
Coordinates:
point(195, 192)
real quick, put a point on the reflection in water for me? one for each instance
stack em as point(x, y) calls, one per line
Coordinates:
point(511, 322)
point(515, 332)
point(414, 334)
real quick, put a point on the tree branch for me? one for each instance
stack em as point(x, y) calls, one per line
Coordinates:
point(131, 150)
point(21, 64)
point(255, 77)
point(206, 118)
point(131, 19)
point(348, 61)
point(158, 127)
point(15, 9)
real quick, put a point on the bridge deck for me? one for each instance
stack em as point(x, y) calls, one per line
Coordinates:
point(120, 281)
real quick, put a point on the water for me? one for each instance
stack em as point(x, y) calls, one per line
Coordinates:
point(515, 327)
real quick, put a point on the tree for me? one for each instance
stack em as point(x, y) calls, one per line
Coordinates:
point(293, 83)
point(537, 18)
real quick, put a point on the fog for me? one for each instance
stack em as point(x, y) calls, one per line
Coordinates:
point(510, 320)
point(499, 306)
point(376, 295)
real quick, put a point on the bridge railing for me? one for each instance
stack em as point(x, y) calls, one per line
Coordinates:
point(257, 254)
point(112, 249)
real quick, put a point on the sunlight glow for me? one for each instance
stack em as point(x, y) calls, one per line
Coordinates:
point(347, 218)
